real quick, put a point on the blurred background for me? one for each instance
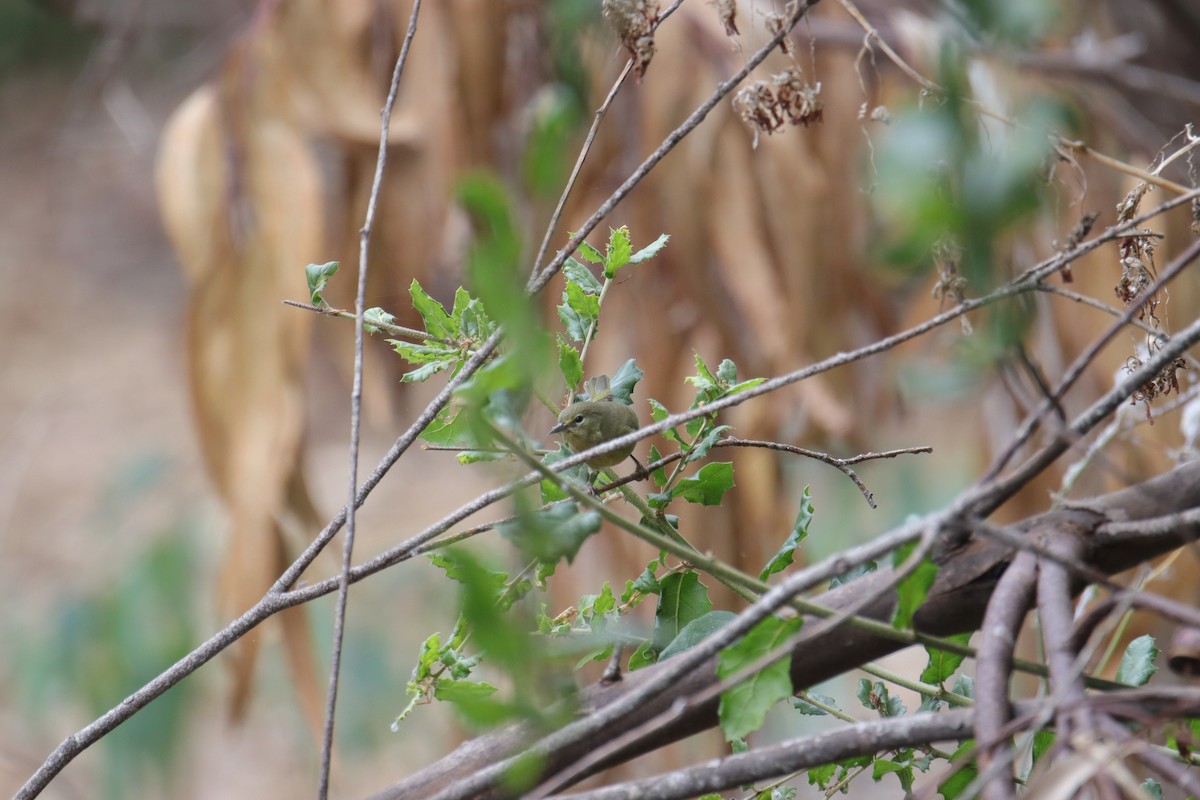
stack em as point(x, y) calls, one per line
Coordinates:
point(172, 433)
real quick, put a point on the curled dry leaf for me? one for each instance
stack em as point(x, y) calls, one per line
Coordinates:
point(241, 204)
point(633, 21)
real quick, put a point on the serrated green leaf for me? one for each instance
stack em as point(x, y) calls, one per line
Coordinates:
point(375, 317)
point(590, 253)
point(809, 709)
point(744, 707)
point(624, 381)
point(708, 485)
point(585, 305)
point(911, 592)
point(425, 372)
point(700, 449)
point(727, 372)
point(317, 276)
point(941, 665)
point(569, 363)
point(580, 275)
point(659, 412)
point(449, 429)
point(552, 534)
point(428, 353)
point(1043, 740)
point(853, 574)
point(574, 324)
point(462, 691)
point(643, 656)
point(1137, 664)
point(743, 386)
point(647, 582)
point(903, 772)
point(651, 250)
point(695, 632)
point(877, 698)
point(618, 252)
point(438, 323)
point(551, 491)
point(704, 380)
point(681, 599)
point(956, 784)
point(659, 475)
point(783, 559)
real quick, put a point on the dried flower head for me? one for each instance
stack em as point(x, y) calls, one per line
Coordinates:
point(727, 13)
point(634, 21)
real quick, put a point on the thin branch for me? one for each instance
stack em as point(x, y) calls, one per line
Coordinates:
point(927, 85)
point(1081, 362)
point(339, 617)
point(841, 464)
point(993, 669)
point(387, 327)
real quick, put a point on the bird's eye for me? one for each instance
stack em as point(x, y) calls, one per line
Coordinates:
point(579, 419)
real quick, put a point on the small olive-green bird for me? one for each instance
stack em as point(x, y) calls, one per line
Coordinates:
point(587, 423)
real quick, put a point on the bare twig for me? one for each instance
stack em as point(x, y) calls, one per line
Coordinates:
point(993, 669)
point(389, 327)
point(339, 618)
point(841, 464)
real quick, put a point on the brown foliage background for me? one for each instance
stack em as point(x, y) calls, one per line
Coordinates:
point(774, 262)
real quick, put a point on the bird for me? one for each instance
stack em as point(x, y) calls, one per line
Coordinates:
point(598, 419)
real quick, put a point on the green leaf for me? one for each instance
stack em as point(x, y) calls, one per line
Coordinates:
point(317, 276)
point(659, 412)
point(438, 323)
point(462, 691)
point(580, 275)
point(619, 251)
point(727, 372)
point(1137, 664)
point(808, 709)
point(902, 771)
point(643, 656)
point(651, 250)
point(875, 696)
point(552, 534)
point(1152, 788)
point(429, 353)
point(942, 665)
point(700, 449)
point(911, 592)
point(965, 685)
point(623, 383)
point(705, 382)
point(551, 491)
point(569, 363)
point(695, 632)
point(853, 574)
point(681, 599)
point(743, 386)
point(374, 317)
point(449, 429)
point(590, 253)
point(1043, 740)
point(451, 562)
point(708, 486)
point(956, 784)
point(783, 559)
point(587, 306)
point(744, 707)
point(659, 475)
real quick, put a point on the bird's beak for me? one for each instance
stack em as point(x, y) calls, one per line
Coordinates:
point(562, 426)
